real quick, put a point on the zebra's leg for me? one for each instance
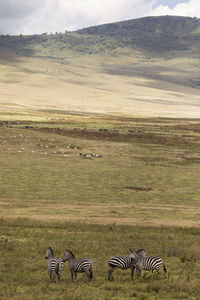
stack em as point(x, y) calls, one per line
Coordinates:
point(87, 272)
point(72, 274)
point(58, 274)
point(75, 275)
point(132, 272)
point(159, 273)
point(138, 272)
point(54, 276)
point(110, 277)
point(50, 275)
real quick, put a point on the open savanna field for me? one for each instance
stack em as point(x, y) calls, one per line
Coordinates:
point(139, 189)
point(100, 153)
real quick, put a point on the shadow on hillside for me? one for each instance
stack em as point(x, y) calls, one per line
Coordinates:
point(11, 48)
point(188, 78)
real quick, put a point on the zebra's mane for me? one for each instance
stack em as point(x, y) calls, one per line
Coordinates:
point(71, 253)
point(140, 250)
point(137, 251)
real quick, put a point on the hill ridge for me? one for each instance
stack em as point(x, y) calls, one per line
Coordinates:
point(159, 35)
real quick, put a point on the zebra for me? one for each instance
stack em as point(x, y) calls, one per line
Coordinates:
point(55, 265)
point(79, 265)
point(147, 263)
point(124, 262)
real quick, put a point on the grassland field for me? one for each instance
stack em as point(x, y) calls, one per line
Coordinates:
point(140, 189)
point(125, 96)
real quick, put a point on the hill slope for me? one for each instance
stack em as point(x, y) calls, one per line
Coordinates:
point(148, 66)
point(155, 34)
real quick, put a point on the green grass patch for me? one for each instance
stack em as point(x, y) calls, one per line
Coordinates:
point(125, 178)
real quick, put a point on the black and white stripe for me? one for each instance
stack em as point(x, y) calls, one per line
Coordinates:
point(78, 265)
point(147, 263)
point(55, 264)
point(123, 262)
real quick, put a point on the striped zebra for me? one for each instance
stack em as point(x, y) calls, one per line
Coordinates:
point(55, 265)
point(78, 265)
point(123, 262)
point(147, 263)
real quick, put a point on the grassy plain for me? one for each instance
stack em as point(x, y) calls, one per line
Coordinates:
point(147, 171)
point(24, 272)
point(142, 191)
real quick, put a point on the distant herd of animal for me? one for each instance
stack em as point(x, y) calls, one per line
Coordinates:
point(136, 260)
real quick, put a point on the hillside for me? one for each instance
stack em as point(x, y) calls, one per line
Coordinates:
point(147, 66)
point(158, 35)
point(155, 34)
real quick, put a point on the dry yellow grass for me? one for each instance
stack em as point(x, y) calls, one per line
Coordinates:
point(185, 216)
point(92, 85)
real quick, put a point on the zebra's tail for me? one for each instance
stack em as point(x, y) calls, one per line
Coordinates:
point(91, 273)
point(164, 268)
point(57, 269)
point(90, 270)
point(61, 265)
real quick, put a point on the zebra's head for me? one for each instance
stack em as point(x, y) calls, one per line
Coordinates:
point(49, 253)
point(68, 255)
point(133, 256)
point(141, 252)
